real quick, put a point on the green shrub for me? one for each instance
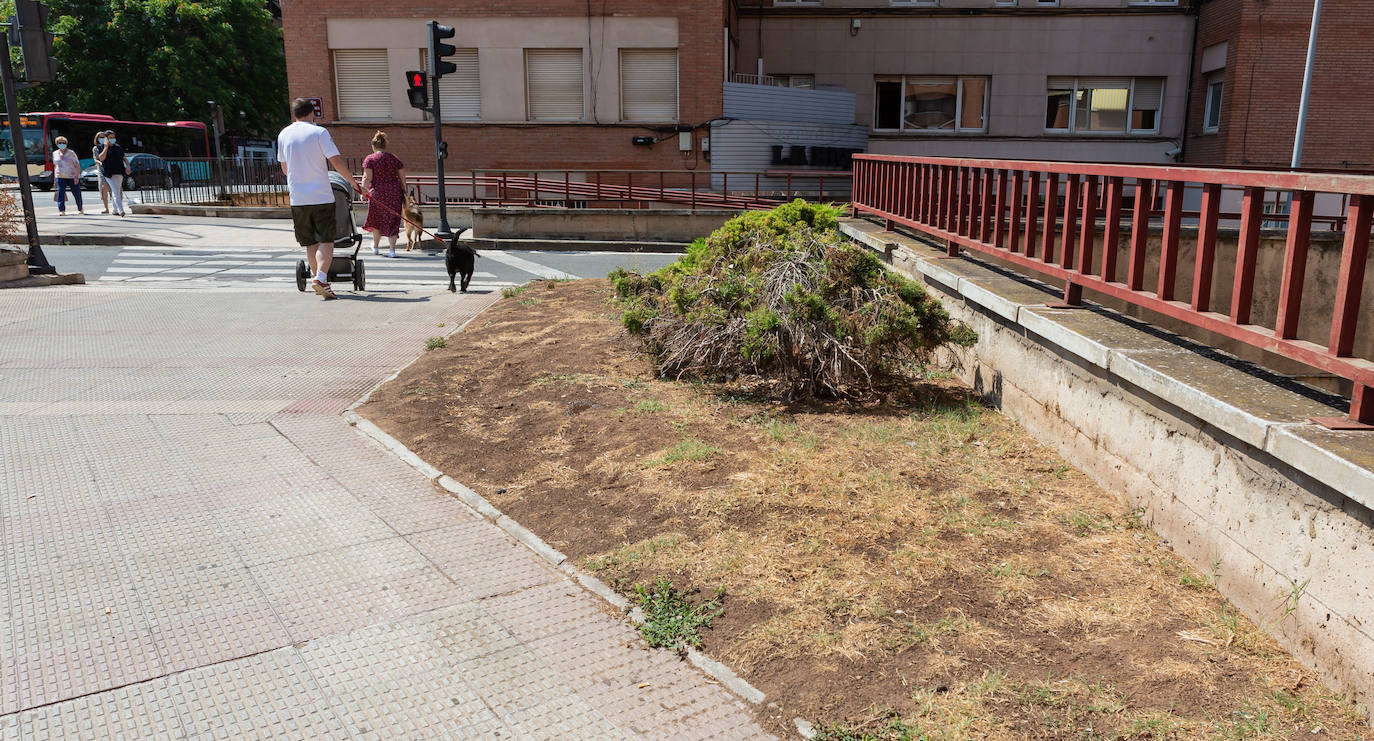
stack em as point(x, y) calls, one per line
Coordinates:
point(780, 295)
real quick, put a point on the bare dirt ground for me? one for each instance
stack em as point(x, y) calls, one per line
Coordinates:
point(913, 567)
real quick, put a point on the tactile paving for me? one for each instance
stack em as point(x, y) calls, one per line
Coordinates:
point(198, 546)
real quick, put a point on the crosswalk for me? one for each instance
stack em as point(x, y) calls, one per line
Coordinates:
point(139, 264)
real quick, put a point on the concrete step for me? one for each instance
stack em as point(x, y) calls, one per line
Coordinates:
point(12, 257)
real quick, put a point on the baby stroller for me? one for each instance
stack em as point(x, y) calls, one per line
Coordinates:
point(343, 266)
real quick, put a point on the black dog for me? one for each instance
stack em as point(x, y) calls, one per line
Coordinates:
point(459, 258)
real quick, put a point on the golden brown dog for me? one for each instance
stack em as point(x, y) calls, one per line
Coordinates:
point(414, 219)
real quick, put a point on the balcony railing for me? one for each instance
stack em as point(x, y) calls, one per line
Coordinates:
point(1046, 217)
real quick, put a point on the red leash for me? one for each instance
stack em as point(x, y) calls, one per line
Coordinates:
point(399, 214)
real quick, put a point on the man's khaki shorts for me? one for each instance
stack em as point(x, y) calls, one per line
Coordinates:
point(314, 223)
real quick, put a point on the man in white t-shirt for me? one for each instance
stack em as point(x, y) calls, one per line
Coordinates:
point(306, 152)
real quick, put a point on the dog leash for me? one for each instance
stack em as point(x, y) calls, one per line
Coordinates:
point(399, 214)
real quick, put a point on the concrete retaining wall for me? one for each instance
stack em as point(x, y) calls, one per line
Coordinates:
point(597, 224)
point(1220, 457)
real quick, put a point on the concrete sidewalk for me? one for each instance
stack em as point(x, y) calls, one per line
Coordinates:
point(198, 545)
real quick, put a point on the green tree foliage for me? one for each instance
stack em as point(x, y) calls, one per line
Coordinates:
point(780, 295)
point(161, 60)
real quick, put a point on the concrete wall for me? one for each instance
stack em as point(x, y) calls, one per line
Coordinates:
point(1223, 464)
point(596, 224)
point(1016, 52)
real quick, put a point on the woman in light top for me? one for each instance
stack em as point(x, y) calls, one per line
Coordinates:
point(66, 167)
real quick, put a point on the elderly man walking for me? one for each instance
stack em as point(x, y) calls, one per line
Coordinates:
point(307, 152)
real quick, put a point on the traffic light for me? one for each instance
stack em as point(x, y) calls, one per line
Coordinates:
point(32, 17)
point(439, 50)
point(417, 88)
point(443, 150)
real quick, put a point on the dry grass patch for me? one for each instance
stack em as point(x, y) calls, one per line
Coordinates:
point(914, 567)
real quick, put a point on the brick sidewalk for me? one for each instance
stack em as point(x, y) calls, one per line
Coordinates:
point(196, 544)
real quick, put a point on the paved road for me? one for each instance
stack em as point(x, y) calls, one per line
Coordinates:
point(197, 545)
point(276, 265)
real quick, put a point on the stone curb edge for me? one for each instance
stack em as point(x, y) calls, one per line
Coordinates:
point(557, 559)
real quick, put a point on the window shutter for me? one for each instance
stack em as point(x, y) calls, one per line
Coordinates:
point(648, 84)
point(1059, 83)
point(461, 90)
point(362, 79)
point(553, 84)
point(1149, 93)
point(1104, 83)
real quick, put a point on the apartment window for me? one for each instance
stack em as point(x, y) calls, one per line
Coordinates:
point(648, 84)
point(1103, 105)
point(460, 91)
point(1046, 3)
point(799, 81)
point(1211, 114)
point(362, 83)
point(911, 103)
point(553, 84)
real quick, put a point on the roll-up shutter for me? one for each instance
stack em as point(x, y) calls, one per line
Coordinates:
point(1148, 94)
point(648, 84)
point(1104, 83)
point(553, 84)
point(461, 91)
point(362, 80)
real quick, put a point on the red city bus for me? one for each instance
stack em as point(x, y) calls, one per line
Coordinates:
point(177, 140)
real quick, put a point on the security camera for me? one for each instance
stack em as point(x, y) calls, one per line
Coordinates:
point(1172, 153)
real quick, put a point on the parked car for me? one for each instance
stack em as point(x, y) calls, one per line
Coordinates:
point(145, 171)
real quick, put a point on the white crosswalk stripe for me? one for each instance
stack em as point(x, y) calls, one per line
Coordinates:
point(149, 264)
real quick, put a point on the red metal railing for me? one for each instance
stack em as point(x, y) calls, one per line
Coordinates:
point(1012, 209)
point(635, 188)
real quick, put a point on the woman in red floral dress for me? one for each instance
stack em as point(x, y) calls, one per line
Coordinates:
point(384, 180)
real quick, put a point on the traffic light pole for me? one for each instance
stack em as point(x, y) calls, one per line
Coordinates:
point(38, 262)
point(444, 232)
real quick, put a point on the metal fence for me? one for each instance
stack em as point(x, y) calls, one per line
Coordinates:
point(210, 181)
point(1012, 209)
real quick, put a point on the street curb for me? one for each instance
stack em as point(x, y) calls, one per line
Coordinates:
point(38, 281)
point(94, 240)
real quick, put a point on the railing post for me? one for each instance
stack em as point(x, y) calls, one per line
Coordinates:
point(1051, 214)
point(1168, 254)
point(999, 218)
point(1032, 210)
point(1111, 234)
point(1206, 247)
point(1067, 237)
point(1247, 253)
point(1350, 280)
point(1087, 237)
point(1140, 233)
point(1294, 264)
point(1014, 212)
point(985, 213)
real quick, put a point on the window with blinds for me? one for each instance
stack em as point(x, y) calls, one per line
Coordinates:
point(648, 84)
point(1104, 104)
point(553, 84)
point(362, 84)
point(460, 91)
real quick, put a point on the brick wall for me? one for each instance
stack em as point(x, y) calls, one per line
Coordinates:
point(1267, 48)
point(549, 146)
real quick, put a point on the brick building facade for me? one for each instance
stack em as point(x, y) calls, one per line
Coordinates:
point(320, 33)
point(1262, 45)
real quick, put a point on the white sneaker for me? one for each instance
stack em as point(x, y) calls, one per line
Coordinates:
point(376, 251)
point(391, 253)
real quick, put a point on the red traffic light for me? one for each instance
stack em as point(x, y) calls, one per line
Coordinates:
point(416, 89)
point(416, 80)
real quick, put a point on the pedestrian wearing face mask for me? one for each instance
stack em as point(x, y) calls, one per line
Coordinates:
point(113, 168)
point(95, 155)
point(67, 170)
